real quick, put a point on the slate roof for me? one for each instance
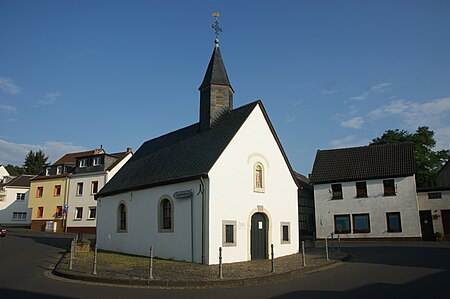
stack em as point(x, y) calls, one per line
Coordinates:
point(71, 158)
point(181, 155)
point(363, 163)
point(20, 181)
point(216, 72)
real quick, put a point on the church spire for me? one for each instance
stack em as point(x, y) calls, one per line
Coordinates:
point(216, 93)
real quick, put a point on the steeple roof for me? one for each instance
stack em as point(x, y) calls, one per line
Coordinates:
point(216, 72)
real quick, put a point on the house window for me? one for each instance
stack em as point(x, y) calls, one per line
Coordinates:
point(94, 187)
point(228, 233)
point(336, 191)
point(285, 232)
point(57, 190)
point(59, 211)
point(78, 213)
point(342, 224)
point(59, 170)
point(361, 189)
point(83, 163)
point(389, 187)
point(40, 212)
point(19, 216)
point(20, 196)
point(47, 171)
point(259, 178)
point(39, 191)
point(394, 224)
point(361, 223)
point(79, 189)
point(434, 195)
point(92, 212)
point(96, 161)
point(122, 218)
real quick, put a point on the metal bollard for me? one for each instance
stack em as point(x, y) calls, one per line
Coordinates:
point(220, 263)
point(303, 254)
point(326, 247)
point(339, 243)
point(273, 260)
point(94, 270)
point(150, 266)
point(72, 249)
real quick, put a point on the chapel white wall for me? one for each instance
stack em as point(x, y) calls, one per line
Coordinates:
point(232, 196)
point(142, 223)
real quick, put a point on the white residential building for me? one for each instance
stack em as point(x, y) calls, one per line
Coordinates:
point(14, 196)
point(366, 192)
point(91, 173)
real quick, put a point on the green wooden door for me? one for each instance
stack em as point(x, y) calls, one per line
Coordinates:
point(259, 233)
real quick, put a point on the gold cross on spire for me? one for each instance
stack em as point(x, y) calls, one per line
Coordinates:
point(215, 26)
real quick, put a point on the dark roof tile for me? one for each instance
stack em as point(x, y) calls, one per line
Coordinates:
point(366, 162)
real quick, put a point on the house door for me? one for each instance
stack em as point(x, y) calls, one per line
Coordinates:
point(426, 225)
point(446, 223)
point(259, 236)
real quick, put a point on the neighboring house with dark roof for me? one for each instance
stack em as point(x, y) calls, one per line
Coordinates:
point(14, 196)
point(49, 192)
point(366, 192)
point(91, 173)
point(222, 182)
point(306, 214)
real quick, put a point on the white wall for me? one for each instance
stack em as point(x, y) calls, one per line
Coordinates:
point(232, 196)
point(9, 205)
point(142, 223)
point(435, 205)
point(86, 200)
point(376, 204)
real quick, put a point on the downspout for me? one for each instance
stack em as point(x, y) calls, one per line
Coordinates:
point(66, 201)
point(202, 190)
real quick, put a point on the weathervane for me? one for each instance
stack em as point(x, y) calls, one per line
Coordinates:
point(216, 27)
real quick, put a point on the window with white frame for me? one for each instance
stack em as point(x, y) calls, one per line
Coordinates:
point(47, 171)
point(19, 216)
point(79, 189)
point(258, 178)
point(83, 162)
point(122, 218)
point(94, 187)
point(92, 212)
point(165, 215)
point(59, 170)
point(96, 161)
point(78, 213)
point(229, 233)
point(20, 196)
point(285, 232)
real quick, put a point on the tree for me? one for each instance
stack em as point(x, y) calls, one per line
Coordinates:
point(14, 170)
point(428, 162)
point(35, 162)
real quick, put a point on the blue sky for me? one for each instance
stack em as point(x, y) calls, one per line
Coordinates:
point(75, 75)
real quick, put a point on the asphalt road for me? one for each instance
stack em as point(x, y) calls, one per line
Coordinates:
point(377, 270)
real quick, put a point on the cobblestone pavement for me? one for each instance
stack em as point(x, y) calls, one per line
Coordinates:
point(125, 269)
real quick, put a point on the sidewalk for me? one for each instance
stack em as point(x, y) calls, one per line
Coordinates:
point(132, 270)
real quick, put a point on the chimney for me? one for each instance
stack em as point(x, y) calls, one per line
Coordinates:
point(129, 149)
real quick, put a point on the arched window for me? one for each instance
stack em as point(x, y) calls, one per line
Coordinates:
point(165, 215)
point(122, 218)
point(258, 178)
